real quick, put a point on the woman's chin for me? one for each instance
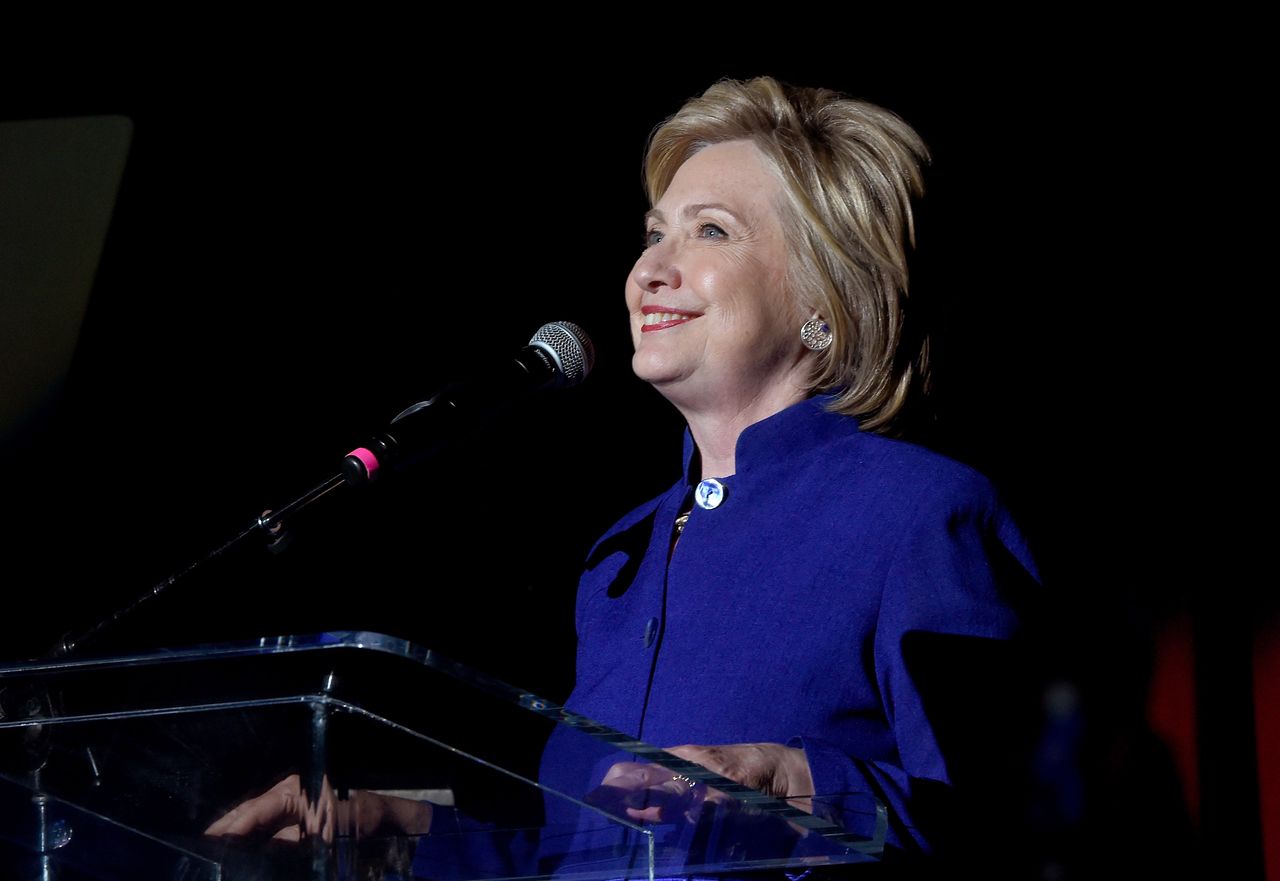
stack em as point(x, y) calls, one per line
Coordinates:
point(656, 370)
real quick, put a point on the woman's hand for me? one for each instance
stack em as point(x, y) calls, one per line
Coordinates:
point(776, 770)
point(649, 793)
point(287, 813)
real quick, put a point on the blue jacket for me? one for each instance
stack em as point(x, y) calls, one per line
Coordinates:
point(795, 611)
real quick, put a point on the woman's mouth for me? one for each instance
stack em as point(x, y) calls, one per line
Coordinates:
point(660, 318)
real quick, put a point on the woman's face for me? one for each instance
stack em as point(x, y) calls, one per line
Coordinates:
point(712, 323)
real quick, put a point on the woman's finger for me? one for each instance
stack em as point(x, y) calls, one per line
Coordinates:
point(289, 833)
point(274, 810)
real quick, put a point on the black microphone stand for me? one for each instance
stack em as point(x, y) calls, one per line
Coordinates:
point(357, 468)
point(271, 523)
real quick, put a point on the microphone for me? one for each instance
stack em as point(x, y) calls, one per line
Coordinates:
point(559, 355)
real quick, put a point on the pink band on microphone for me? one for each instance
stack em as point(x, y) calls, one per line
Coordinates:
point(367, 459)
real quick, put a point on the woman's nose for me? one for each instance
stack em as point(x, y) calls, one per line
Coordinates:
point(656, 268)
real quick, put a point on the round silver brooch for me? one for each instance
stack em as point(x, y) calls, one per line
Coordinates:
point(709, 494)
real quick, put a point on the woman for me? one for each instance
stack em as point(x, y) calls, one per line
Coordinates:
point(777, 607)
point(774, 613)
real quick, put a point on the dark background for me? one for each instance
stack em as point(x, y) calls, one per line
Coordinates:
point(305, 243)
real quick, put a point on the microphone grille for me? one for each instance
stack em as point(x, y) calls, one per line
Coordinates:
point(571, 348)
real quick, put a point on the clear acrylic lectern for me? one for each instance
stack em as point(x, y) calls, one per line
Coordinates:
point(113, 768)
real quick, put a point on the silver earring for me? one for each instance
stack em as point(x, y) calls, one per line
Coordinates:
point(815, 334)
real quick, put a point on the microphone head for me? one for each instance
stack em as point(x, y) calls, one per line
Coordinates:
point(570, 347)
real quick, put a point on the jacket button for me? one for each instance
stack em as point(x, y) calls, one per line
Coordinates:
point(650, 631)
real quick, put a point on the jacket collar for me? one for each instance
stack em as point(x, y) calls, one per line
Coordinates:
point(787, 433)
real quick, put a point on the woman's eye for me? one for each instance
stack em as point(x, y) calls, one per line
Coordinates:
point(652, 237)
point(711, 231)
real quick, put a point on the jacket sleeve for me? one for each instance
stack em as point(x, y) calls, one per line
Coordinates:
point(944, 649)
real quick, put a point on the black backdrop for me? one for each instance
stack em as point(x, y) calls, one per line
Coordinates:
point(296, 254)
point(302, 247)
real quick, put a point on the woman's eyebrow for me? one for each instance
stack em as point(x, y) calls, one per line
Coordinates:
point(691, 210)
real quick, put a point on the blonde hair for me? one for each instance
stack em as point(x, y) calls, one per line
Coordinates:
point(849, 170)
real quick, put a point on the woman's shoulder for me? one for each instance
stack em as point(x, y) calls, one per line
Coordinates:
point(934, 493)
point(820, 446)
point(903, 465)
